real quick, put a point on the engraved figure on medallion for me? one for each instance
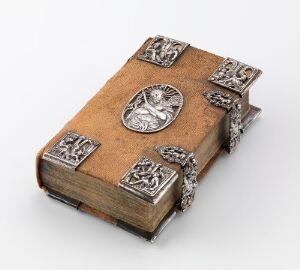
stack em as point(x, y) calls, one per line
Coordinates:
point(153, 108)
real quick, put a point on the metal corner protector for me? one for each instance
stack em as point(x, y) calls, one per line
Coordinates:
point(71, 150)
point(163, 51)
point(235, 76)
point(148, 180)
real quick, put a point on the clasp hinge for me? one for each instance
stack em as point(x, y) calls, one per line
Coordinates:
point(62, 198)
point(234, 109)
point(188, 163)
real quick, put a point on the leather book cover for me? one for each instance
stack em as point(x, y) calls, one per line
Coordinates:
point(132, 155)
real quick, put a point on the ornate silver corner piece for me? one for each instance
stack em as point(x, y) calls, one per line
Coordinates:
point(148, 180)
point(188, 164)
point(163, 51)
point(225, 101)
point(235, 76)
point(153, 108)
point(71, 150)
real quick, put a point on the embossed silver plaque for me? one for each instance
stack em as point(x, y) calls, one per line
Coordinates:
point(235, 76)
point(148, 179)
point(163, 51)
point(152, 108)
point(71, 150)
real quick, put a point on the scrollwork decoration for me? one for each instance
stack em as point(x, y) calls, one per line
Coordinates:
point(233, 107)
point(163, 51)
point(71, 150)
point(147, 179)
point(188, 164)
point(235, 76)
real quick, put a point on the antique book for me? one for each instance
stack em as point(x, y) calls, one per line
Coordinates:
point(134, 153)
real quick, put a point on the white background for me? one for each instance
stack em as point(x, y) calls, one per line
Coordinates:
point(55, 55)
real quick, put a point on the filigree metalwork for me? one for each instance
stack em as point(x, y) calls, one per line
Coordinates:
point(163, 51)
point(232, 106)
point(71, 150)
point(188, 164)
point(148, 179)
point(153, 108)
point(219, 99)
point(235, 76)
point(235, 125)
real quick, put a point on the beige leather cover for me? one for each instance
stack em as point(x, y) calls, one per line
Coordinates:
point(100, 118)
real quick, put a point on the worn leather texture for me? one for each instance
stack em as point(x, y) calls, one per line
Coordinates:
point(100, 118)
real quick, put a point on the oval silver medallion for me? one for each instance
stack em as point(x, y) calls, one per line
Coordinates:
point(153, 108)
